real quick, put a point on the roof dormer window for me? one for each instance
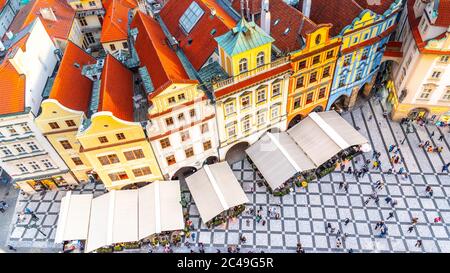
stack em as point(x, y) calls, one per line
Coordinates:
point(190, 17)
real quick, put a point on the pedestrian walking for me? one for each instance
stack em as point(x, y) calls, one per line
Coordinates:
point(414, 220)
point(403, 141)
point(410, 229)
point(341, 184)
point(419, 243)
point(346, 221)
point(391, 214)
point(432, 134)
point(349, 170)
point(10, 247)
point(247, 222)
point(393, 203)
point(441, 137)
point(437, 220)
point(346, 187)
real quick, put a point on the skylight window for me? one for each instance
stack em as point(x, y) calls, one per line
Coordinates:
point(286, 31)
point(190, 17)
point(276, 22)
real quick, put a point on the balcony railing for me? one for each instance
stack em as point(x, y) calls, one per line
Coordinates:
point(245, 75)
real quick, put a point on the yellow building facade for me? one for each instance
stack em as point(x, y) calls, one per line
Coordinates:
point(313, 67)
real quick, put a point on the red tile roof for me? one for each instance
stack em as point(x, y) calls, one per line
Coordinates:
point(199, 44)
point(286, 17)
point(59, 29)
point(414, 25)
point(443, 13)
point(2, 4)
point(71, 88)
point(130, 3)
point(161, 61)
point(252, 81)
point(377, 6)
point(12, 89)
point(116, 90)
point(115, 22)
point(339, 13)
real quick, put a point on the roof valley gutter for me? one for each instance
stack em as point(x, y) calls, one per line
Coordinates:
point(230, 11)
point(284, 152)
point(157, 208)
point(331, 133)
point(219, 194)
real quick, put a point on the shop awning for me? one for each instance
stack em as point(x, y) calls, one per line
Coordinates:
point(73, 220)
point(160, 208)
point(323, 135)
point(100, 227)
point(278, 158)
point(125, 216)
point(215, 189)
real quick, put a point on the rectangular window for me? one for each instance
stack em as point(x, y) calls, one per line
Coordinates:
point(229, 108)
point(103, 139)
point(276, 90)
point(358, 75)
point(330, 54)
point(70, 123)
point(207, 145)
point(436, 75)
point(261, 118)
point(446, 95)
point(134, 154)
point(192, 113)
point(322, 92)
point(118, 176)
point(171, 100)
point(125, 45)
point(108, 159)
point(316, 59)
point(347, 59)
point(275, 112)
point(165, 142)
point(313, 77)
point(246, 125)
point(19, 148)
point(90, 38)
point(190, 17)
point(66, 144)
point(309, 97)
point(204, 128)
point(34, 165)
point(171, 160)
point(181, 96)
point(444, 59)
point(302, 65)
point(11, 130)
point(26, 128)
point(342, 80)
point(47, 163)
point(5, 150)
point(141, 171)
point(326, 72)
point(120, 136)
point(297, 102)
point(184, 135)
point(54, 125)
point(261, 96)
point(83, 22)
point(77, 161)
point(113, 47)
point(365, 54)
point(92, 3)
point(189, 152)
point(22, 168)
point(300, 82)
point(231, 130)
point(180, 117)
point(169, 121)
point(32, 146)
point(245, 102)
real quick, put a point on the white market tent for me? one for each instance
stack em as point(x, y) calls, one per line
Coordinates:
point(306, 146)
point(215, 189)
point(127, 215)
point(73, 221)
point(278, 158)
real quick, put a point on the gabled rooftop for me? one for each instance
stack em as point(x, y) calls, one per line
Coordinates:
point(71, 88)
point(442, 8)
point(116, 90)
point(57, 27)
point(203, 19)
point(115, 22)
point(243, 37)
point(163, 64)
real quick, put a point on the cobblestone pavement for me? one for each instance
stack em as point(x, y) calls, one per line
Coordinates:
point(305, 214)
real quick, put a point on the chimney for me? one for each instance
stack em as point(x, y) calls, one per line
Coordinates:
point(242, 8)
point(10, 35)
point(247, 8)
point(265, 16)
point(2, 47)
point(306, 9)
point(48, 14)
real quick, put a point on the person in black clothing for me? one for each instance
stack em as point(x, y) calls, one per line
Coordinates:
point(391, 214)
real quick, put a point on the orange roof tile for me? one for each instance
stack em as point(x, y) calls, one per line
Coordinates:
point(116, 90)
point(2, 4)
point(12, 89)
point(443, 13)
point(115, 22)
point(199, 44)
point(71, 88)
point(161, 61)
point(56, 29)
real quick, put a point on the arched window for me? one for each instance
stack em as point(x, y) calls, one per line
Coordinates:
point(260, 59)
point(243, 67)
